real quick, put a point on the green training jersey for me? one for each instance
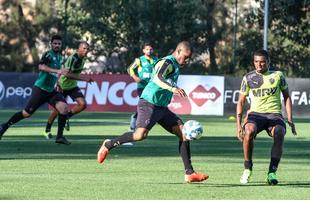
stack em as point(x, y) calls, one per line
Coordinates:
point(164, 77)
point(47, 80)
point(143, 68)
point(264, 90)
point(75, 65)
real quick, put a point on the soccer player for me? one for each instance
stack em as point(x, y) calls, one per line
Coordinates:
point(140, 70)
point(68, 85)
point(152, 108)
point(264, 88)
point(44, 91)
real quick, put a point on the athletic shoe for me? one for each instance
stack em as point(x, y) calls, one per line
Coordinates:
point(62, 140)
point(272, 179)
point(103, 152)
point(67, 126)
point(47, 135)
point(196, 177)
point(3, 128)
point(244, 179)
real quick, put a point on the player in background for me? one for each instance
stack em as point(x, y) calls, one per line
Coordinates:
point(152, 108)
point(44, 91)
point(141, 70)
point(264, 88)
point(67, 85)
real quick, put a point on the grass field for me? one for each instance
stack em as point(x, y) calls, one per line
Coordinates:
point(32, 167)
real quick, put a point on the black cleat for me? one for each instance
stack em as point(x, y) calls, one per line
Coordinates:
point(3, 128)
point(62, 140)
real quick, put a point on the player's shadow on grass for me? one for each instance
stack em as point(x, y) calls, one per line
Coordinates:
point(297, 184)
point(86, 147)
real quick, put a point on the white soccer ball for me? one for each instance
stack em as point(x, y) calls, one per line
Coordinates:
point(192, 130)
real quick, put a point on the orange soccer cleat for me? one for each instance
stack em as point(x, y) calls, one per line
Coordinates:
point(103, 152)
point(196, 177)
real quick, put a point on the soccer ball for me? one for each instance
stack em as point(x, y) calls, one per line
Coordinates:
point(192, 130)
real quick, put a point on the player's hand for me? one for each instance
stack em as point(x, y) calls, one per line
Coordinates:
point(293, 128)
point(58, 88)
point(179, 91)
point(240, 133)
point(63, 71)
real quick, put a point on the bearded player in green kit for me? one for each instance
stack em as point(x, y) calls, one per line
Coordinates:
point(44, 91)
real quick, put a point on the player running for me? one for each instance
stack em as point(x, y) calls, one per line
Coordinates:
point(264, 88)
point(44, 91)
point(152, 108)
point(68, 85)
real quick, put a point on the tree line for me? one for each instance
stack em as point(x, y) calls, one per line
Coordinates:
point(224, 33)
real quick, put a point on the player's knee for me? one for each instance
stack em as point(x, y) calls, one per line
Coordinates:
point(279, 132)
point(250, 132)
point(138, 136)
point(26, 114)
point(83, 106)
point(81, 103)
point(62, 108)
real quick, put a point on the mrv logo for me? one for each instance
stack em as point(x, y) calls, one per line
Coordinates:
point(264, 92)
point(14, 91)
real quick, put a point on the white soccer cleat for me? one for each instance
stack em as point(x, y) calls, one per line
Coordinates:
point(244, 179)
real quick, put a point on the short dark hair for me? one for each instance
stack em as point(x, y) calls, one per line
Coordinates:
point(146, 44)
point(83, 42)
point(56, 37)
point(262, 52)
point(184, 44)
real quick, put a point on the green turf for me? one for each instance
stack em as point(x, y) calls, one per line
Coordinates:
point(34, 168)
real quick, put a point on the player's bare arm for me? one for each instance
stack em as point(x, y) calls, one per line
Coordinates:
point(179, 91)
point(76, 77)
point(43, 67)
point(131, 70)
point(136, 78)
point(288, 108)
point(239, 111)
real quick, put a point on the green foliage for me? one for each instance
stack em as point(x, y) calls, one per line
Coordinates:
point(288, 37)
point(122, 26)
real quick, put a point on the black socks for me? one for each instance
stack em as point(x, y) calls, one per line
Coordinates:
point(248, 164)
point(274, 162)
point(61, 124)
point(184, 150)
point(126, 137)
point(48, 127)
point(15, 118)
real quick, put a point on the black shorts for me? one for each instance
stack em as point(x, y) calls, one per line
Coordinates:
point(39, 97)
point(149, 115)
point(73, 93)
point(265, 121)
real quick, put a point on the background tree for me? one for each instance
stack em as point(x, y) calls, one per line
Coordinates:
point(118, 28)
point(288, 37)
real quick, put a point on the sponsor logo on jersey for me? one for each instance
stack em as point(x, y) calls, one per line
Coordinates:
point(264, 92)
